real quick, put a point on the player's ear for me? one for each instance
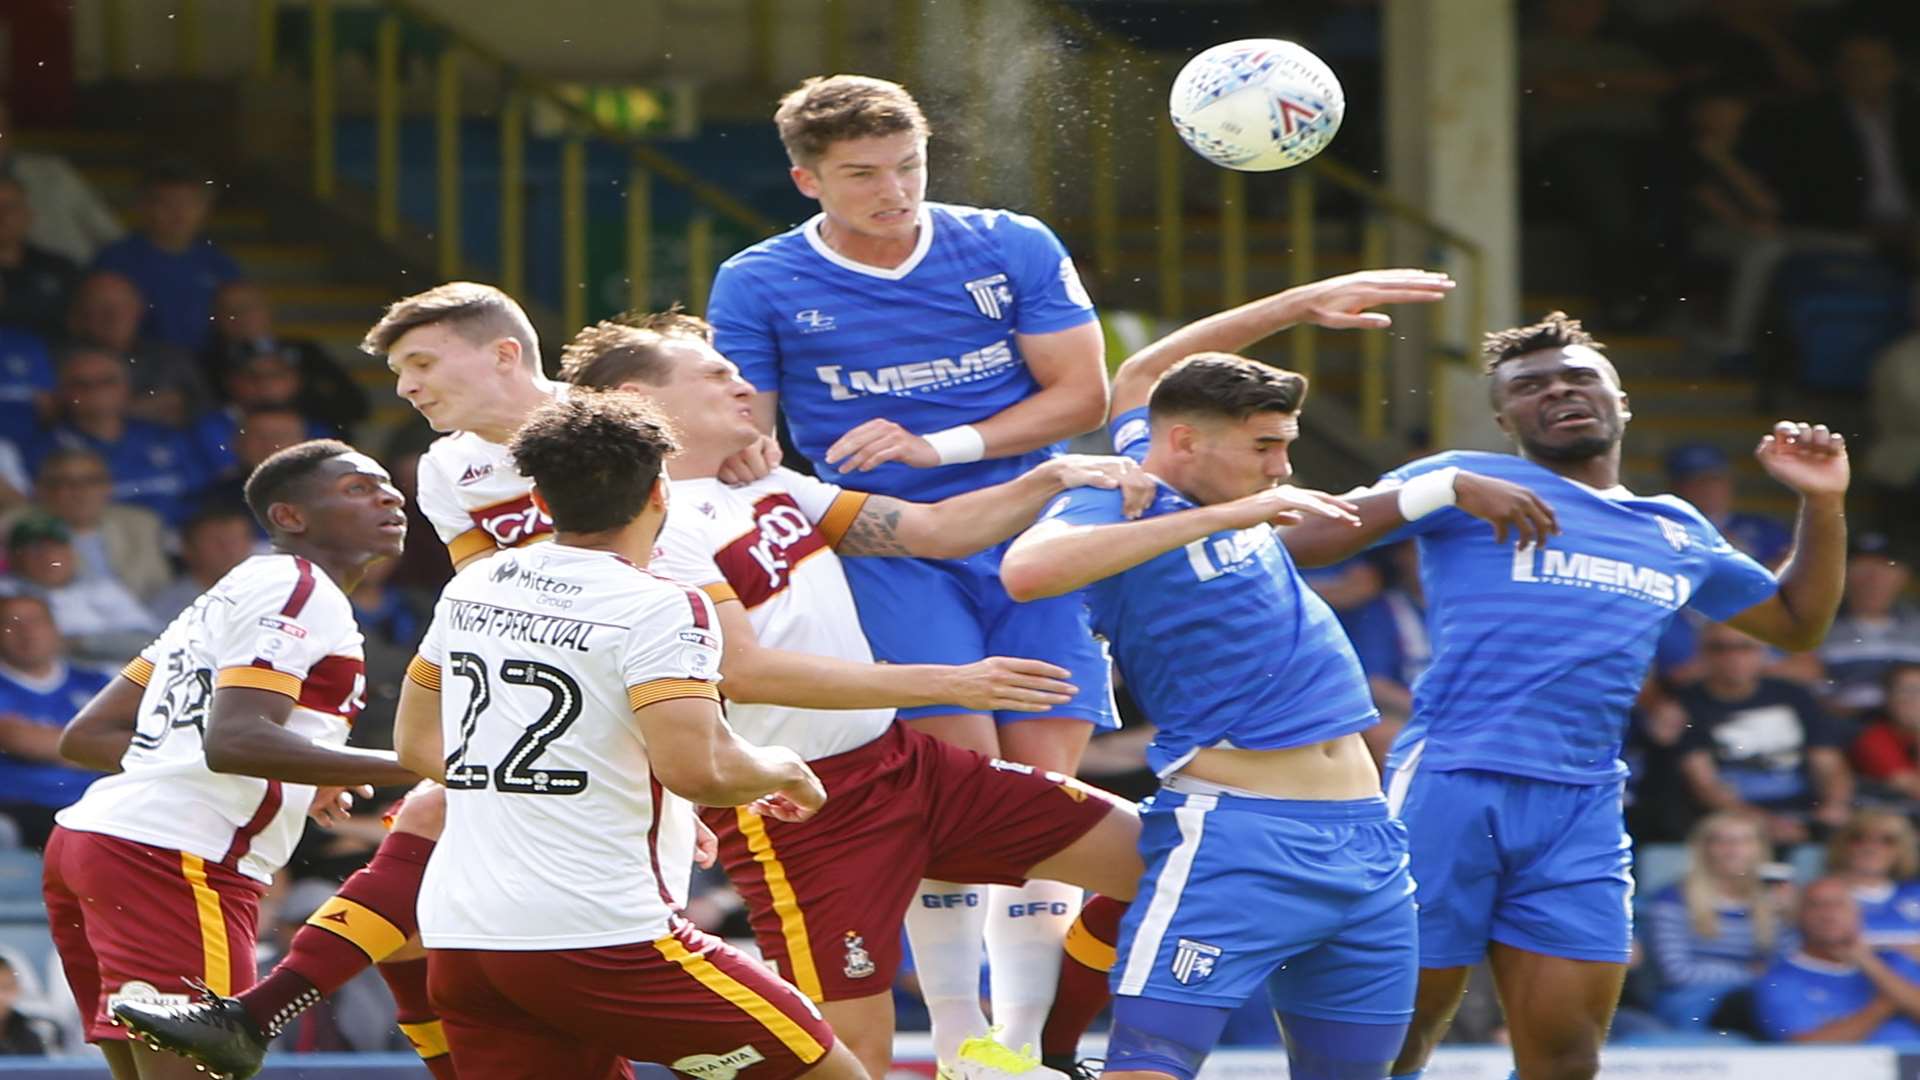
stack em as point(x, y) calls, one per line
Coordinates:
point(1626, 408)
point(507, 352)
point(806, 180)
point(287, 518)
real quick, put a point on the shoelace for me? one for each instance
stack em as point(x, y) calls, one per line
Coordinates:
point(209, 1005)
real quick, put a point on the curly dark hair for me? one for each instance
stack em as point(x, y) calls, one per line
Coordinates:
point(627, 347)
point(594, 458)
point(1224, 385)
point(1556, 331)
point(827, 109)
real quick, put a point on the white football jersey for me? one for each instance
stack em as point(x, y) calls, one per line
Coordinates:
point(275, 622)
point(557, 835)
point(476, 499)
point(769, 545)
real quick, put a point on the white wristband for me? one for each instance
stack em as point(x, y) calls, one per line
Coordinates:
point(957, 445)
point(1427, 492)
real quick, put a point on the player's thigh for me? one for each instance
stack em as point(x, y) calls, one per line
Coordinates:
point(491, 1037)
point(423, 812)
point(1557, 1010)
point(1568, 891)
point(1106, 858)
point(1055, 630)
point(1366, 970)
point(840, 1064)
point(864, 1026)
point(1162, 1036)
point(1453, 838)
point(966, 730)
point(1435, 1001)
point(120, 1060)
point(1046, 742)
point(1320, 1049)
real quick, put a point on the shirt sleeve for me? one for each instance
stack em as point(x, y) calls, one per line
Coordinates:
point(1734, 582)
point(1087, 506)
point(829, 506)
point(1047, 292)
point(742, 329)
point(450, 523)
point(1878, 755)
point(1823, 729)
point(278, 628)
point(684, 554)
point(1132, 434)
point(674, 651)
point(1779, 1006)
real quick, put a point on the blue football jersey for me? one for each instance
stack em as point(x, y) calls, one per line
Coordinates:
point(50, 702)
point(1539, 652)
point(928, 344)
point(152, 465)
point(1800, 993)
point(1220, 642)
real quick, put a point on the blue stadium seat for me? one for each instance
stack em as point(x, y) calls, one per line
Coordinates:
point(20, 886)
point(30, 943)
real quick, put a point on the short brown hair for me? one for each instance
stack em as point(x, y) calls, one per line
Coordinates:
point(1224, 385)
point(827, 109)
point(479, 313)
point(1556, 331)
point(627, 346)
point(594, 458)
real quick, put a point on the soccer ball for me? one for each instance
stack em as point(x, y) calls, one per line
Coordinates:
point(1257, 105)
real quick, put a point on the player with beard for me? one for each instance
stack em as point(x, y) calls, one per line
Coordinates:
point(1509, 774)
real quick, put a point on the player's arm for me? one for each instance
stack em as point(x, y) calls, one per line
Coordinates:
point(754, 674)
point(418, 740)
point(99, 734)
point(1512, 510)
point(1851, 1028)
point(964, 524)
point(1337, 303)
point(1813, 462)
point(1061, 554)
point(697, 756)
point(1893, 986)
point(247, 736)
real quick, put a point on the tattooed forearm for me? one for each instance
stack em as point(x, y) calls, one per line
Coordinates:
point(875, 531)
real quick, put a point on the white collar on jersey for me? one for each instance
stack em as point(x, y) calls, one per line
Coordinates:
point(47, 685)
point(811, 230)
point(1617, 491)
point(1801, 959)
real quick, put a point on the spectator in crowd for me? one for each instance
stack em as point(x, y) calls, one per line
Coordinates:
point(26, 381)
point(1761, 745)
point(106, 314)
point(1886, 756)
point(1715, 930)
point(260, 433)
point(168, 255)
point(1701, 474)
point(69, 217)
point(218, 537)
point(19, 1035)
point(243, 328)
point(384, 612)
point(1751, 45)
point(101, 621)
point(152, 465)
point(39, 692)
point(35, 284)
point(423, 564)
point(1389, 635)
point(1875, 629)
point(1836, 988)
point(267, 380)
point(1660, 807)
point(1729, 213)
point(1878, 855)
point(1893, 394)
point(126, 543)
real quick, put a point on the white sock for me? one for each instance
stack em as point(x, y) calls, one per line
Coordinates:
point(1025, 926)
point(944, 926)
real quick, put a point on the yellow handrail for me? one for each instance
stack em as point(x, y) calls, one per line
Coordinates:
point(323, 162)
point(386, 111)
point(513, 194)
point(446, 97)
point(573, 232)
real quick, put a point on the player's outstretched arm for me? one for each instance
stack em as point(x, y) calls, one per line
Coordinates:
point(754, 674)
point(1812, 461)
point(1510, 509)
point(964, 524)
point(697, 756)
point(1056, 556)
point(98, 735)
point(418, 740)
point(1339, 303)
point(247, 736)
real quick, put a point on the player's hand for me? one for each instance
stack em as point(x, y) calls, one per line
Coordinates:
point(752, 463)
point(1285, 505)
point(1808, 458)
point(1341, 303)
point(877, 442)
point(1007, 683)
point(1137, 486)
point(799, 798)
point(332, 806)
point(706, 846)
point(1507, 507)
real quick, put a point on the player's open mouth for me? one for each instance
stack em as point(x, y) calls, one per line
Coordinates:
point(891, 216)
point(394, 525)
point(1571, 416)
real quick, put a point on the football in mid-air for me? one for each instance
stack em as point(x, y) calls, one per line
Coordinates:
point(1257, 105)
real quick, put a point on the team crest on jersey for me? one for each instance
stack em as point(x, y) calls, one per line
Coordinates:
point(813, 321)
point(1193, 961)
point(1676, 533)
point(475, 474)
point(859, 963)
point(991, 295)
point(719, 1066)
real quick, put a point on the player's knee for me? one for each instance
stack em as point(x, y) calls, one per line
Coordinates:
point(423, 812)
point(1564, 1063)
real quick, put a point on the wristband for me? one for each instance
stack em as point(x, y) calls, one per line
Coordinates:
point(957, 445)
point(1427, 492)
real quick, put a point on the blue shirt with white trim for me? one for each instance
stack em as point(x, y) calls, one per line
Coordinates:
point(1539, 652)
point(929, 344)
point(1799, 993)
point(1220, 641)
point(50, 702)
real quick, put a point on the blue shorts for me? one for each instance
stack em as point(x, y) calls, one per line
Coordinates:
point(955, 611)
point(1311, 898)
point(1534, 864)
